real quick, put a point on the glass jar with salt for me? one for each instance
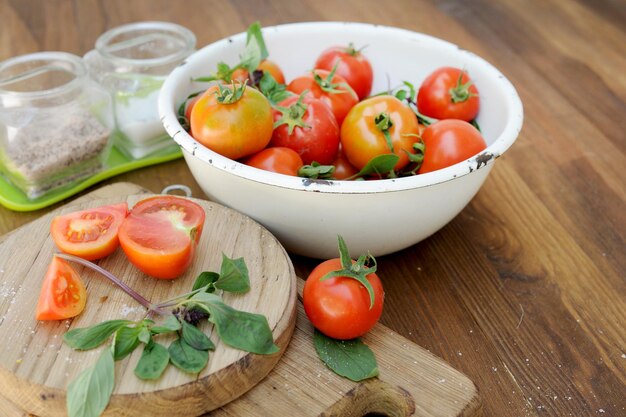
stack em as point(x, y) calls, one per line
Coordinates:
point(132, 61)
point(55, 122)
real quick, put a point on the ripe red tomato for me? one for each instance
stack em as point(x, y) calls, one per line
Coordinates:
point(160, 235)
point(448, 142)
point(351, 65)
point(307, 126)
point(62, 293)
point(362, 140)
point(234, 121)
point(343, 168)
point(448, 93)
point(339, 307)
point(332, 89)
point(278, 159)
point(241, 74)
point(91, 233)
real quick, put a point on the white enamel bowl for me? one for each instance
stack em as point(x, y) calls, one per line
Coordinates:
point(378, 216)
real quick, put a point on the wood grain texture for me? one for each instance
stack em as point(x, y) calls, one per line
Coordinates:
point(534, 268)
point(36, 366)
point(412, 381)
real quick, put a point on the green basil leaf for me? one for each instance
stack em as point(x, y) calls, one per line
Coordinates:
point(272, 89)
point(153, 361)
point(196, 337)
point(144, 335)
point(475, 124)
point(126, 340)
point(186, 358)
point(89, 394)
point(90, 337)
point(255, 51)
point(204, 279)
point(380, 164)
point(349, 358)
point(233, 275)
point(242, 330)
point(171, 324)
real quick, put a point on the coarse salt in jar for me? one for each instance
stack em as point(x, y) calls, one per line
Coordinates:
point(55, 122)
point(132, 62)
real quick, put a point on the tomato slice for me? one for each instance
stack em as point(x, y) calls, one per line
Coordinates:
point(91, 233)
point(62, 294)
point(160, 235)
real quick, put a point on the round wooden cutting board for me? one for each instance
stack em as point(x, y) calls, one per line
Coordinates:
point(36, 366)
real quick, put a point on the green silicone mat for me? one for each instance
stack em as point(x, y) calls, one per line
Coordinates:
point(117, 163)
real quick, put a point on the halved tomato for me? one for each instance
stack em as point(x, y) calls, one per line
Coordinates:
point(62, 294)
point(160, 235)
point(91, 233)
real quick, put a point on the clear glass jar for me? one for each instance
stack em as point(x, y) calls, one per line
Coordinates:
point(55, 122)
point(132, 61)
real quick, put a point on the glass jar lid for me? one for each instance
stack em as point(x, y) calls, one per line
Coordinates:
point(146, 44)
point(41, 75)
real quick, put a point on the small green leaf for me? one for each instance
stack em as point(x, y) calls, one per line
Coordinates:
point(255, 51)
point(239, 329)
point(144, 335)
point(90, 337)
point(204, 279)
point(196, 337)
point(233, 275)
point(316, 171)
point(89, 394)
point(171, 324)
point(381, 164)
point(125, 341)
point(475, 124)
point(153, 361)
point(273, 90)
point(186, 358)
point(349, 358)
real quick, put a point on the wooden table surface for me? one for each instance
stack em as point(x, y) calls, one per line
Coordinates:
point(525, 290)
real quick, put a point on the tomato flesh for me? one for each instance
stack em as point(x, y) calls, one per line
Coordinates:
point(339, 307)
point(160, 235)
point(90, 234)
point(62, 293)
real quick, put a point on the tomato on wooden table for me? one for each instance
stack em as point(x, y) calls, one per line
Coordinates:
point(337, 303)
point(332, 89)
point(352, 65)
point(62, 293)
point(91, 233)
point(448, 93)
point(376, 126)
point(160, 235)
point(448, 142)
point(278, 159)
point(232, 120)
point(307, 126)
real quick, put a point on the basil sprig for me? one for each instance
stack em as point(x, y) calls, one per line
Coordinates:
point(89, 394)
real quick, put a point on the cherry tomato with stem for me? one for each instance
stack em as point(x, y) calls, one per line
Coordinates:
point(307, 126)
point(279, 159)
point(160, 235)
point(448, 142)
point(352, 65)
point(448, 93)
point(232, 120)
point(376, 126)
point(91, 233)
point(344, 298)
point(62, 294)
point(332, 89)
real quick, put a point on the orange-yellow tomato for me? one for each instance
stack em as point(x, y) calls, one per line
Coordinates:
point(233, 129)
point(266, 65)
point(362, 140)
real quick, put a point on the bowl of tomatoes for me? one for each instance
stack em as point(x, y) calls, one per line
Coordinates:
point(378, 134)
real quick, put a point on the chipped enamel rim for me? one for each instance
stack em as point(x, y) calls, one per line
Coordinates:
point(180, 75)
